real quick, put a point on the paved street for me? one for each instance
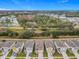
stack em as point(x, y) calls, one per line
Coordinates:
point(28, 56)
point(39, 48)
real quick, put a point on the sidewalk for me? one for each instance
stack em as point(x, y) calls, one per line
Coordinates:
point(27, 55)
point(50, 56)
point(12, 57)
point(75, 53)
point(65, 56)
point(40, 56)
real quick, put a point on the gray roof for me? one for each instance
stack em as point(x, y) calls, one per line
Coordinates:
point(70, 44)
point(59, 44)
point(39, 45)
point(1, 44)
point(76, 42)
point(49, 43)
point(29, 44)
point(6, 44)
point(18, 44)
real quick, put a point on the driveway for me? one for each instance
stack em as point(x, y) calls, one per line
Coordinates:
point(40, 55)
point(75, 53)
point(50, 56)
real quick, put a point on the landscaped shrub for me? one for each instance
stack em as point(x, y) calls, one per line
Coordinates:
point(26, 35)
point(44, 29)
point(1, 53)
point(55, 34)
point(13, 34)
point(8, 33)
point(4, 33)
point(45, 33)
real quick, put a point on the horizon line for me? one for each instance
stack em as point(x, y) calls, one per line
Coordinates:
point(36, 10)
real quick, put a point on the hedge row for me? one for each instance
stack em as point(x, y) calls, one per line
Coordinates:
point(26, 35)
point(65, 33)
point(8, 33)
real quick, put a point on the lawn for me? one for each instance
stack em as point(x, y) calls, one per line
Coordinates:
point(45, 54)
point(56, 54)
point(34, 55)
point(16, 29)
point(70, 54)
point(1, 53)
point(78, 51)
point(22, 55)
point(9, 54)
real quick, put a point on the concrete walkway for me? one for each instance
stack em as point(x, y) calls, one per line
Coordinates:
point(12, 45)
point(12, 57)
point(40, 55)
point(28, 55)
point(50, 56)
point(64, 55)
point(75, 53)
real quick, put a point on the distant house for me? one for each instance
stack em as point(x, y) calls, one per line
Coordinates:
point(39, 46)
point(28, 45)
point(9, 21)
point(5, 46)
point(74, 44)
point(49, 46)
point(60, 46)
point(17, 47)
point(25, 17)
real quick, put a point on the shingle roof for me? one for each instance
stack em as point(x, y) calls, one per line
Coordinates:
point(6, 44)
point(60, 44)
point(39, 45)
point(18, 44)
point(76, 42)
point(70, 44)
point(49, 43)
point(29, 44)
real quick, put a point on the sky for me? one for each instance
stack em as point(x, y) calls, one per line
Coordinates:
point(39, 4)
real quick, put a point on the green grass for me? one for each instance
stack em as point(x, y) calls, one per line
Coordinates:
point(45, 54)
point(21, 54)
point(34, 55)
point(70, 54)
point(56, 54)
point(78, 51)
point(1, 53)
point(9, 54)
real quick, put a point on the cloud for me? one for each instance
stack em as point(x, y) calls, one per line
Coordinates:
point(4, 9)
point(63, 1)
